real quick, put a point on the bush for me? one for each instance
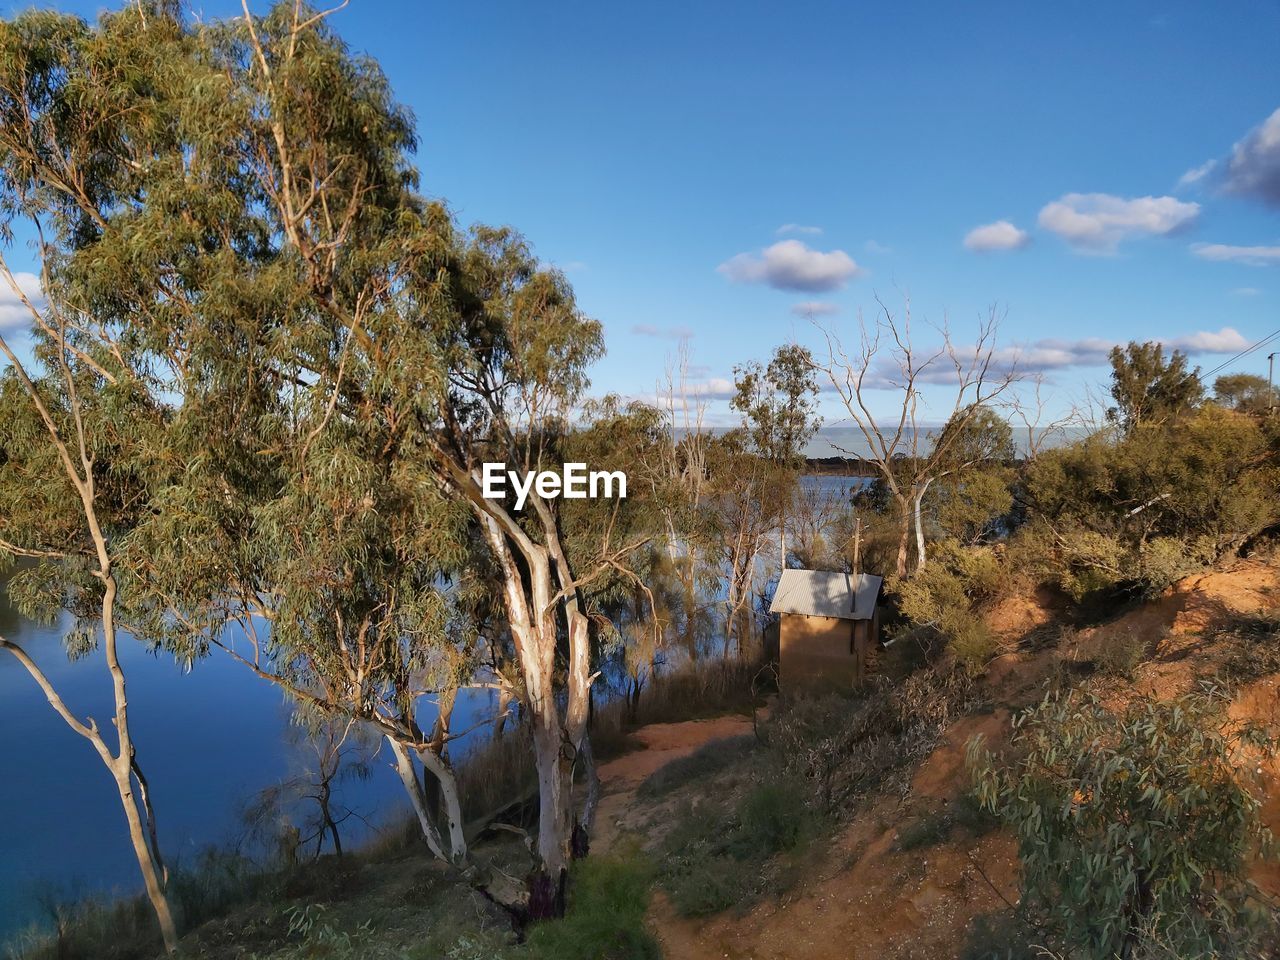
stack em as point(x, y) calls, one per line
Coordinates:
point(1255, 647)
point(841, 749)
point(718, 857)
point(608, 898)
point(972, 642)
point(1120, 656)
point(1133, 828)
point(944, 595)
point(773, 817)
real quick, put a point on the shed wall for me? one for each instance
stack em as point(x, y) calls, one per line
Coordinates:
point(820, 653)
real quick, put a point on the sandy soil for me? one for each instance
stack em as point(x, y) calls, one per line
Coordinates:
point(618, 813)
point(864, 898)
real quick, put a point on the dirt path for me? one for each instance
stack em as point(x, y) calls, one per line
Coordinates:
point(618, 813)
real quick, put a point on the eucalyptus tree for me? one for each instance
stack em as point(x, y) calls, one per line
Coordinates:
point(517, 350)
point(1148, 388)
point(313, 543)
point(328, 362)
point(748, 498)
point(226, 218)
point(86, 418)
point(966, 455)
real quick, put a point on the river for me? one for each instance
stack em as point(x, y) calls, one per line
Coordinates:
point(210, 739)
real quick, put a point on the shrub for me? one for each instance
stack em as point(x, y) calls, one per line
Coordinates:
point(842, 748)
point(608, 898)
point(718, 857)
point(942, 597)
point(1120, 656)
point(1135, 827)
point(972, 642)
point(773, 817)
point(1255, 647)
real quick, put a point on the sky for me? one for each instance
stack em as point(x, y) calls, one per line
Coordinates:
point(735, 176)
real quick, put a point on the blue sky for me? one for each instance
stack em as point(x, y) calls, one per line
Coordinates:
point(644, 147)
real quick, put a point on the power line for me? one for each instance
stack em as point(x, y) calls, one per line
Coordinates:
point(1243, 353)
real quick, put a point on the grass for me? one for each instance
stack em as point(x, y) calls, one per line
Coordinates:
point(608, 898)
point(965, 813)
point(719, 856)
point(706, 761)
point(1254, 647)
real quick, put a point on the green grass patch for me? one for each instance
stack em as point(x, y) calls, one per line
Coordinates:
point(719, 856)
point(608, 897)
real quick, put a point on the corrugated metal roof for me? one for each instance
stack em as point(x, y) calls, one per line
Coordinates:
point(819, 593)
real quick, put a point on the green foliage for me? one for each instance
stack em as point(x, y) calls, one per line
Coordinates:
point(779, 403)
point(1244, 392)
point(1144, 509)
point(1120, 656)
point(1132, 827)
point(943, 597)
point(968, 506)
point(1148, 389)
point(608, 898)
point(719, 856)
point(773, 817)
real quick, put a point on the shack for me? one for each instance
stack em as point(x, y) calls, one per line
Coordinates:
point(828, 625)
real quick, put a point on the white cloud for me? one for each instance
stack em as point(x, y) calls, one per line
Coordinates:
point(1098, 222)
point(1001, 235)
point(13, 313)
point(873, 246)
point(1226, 340)
point(1245, 292)
point(662, 333)
point(1196, 174)
point(797, 228)
point(814, 308)
point(1054, 354)
point(1254, 256)
point(791, 265)
point(1254, 167)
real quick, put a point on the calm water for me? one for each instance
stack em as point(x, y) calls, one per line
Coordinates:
point(209, 740)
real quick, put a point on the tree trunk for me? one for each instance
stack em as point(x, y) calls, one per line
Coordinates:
point(125, 761)
point(904, 534)
point(919, 499)
point(437, 766)
point(417, 797)
point(538, 599)
point(151, 877)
